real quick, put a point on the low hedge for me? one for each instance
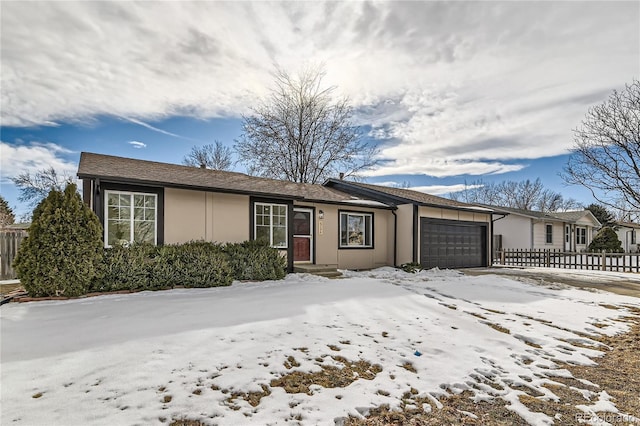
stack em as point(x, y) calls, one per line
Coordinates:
point(256, 261)
point(193, 264)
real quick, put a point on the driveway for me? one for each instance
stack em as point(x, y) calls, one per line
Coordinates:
point(624, 283)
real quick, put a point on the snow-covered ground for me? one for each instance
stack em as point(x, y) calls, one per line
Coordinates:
point(152, 357)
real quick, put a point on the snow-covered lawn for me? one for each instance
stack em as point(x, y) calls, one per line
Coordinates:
point(151, 357)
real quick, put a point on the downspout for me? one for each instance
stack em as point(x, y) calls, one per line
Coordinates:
point(416, 237)
point(490, 256)
point(532, 234)
point(97, 205)
point(395, 237)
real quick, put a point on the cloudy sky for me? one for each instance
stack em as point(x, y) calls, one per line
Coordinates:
point(450, 91)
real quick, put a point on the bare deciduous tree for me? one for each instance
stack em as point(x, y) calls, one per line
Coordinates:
point(606, 154)
point(211, 156)
point(34, 188)
point(526, 195)
point(301, 133)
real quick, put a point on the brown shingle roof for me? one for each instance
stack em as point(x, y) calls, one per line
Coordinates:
point(415, 196)
point(570, 216)
point(128, 170)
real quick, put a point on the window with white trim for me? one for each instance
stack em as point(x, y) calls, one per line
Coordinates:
point(270, 224)
point(549, 233)
point(633, 236)
point(356, 230)
point(130, 217)
point(581, 236)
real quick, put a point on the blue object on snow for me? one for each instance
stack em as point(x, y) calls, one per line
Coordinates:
point(417, 353)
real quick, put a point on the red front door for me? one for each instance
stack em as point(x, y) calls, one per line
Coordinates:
point(302, 235)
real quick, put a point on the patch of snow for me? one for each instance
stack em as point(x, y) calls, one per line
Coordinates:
point(151, 357)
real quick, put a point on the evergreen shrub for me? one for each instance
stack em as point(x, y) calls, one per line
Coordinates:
point(606, 240)
point(196, 264)
point(411, 267)
point(126, 268)
point(63, 252)
point(256, 261)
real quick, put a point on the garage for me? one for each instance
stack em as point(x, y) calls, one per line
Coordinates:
point(452, 244)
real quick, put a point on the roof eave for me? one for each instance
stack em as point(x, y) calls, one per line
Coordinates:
point(402, 200)
point(141, 182)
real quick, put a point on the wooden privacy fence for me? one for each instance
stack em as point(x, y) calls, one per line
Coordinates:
point(10, 240)
point(620, 262)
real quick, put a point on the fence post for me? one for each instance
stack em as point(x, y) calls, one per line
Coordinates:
point(604, 261)
point(502, 257)
point(547, 258)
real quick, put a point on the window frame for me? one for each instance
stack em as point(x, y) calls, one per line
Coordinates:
point(634, 237)
point(364, 215)
point(581, 235)
point(132, 220)
point(271, 215)
point(548, 231)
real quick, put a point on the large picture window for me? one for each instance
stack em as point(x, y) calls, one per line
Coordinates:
point(271, 224)
point(130, 217)
point(356, 230)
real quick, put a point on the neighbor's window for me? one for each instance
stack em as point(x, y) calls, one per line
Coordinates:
point(549, 233)
point(633, 237)
point(356, 229)
point(130, 217)
point(271, 224)
point(581, 236)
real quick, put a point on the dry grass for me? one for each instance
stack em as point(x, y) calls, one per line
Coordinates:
point(476, 315)
point(616, 373)
point(328, 377)
point(253, 398)
point(8, 288)
point(498, 327)
point(409, 367)
point(291, 362)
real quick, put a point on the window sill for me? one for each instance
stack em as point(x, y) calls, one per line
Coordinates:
point(355, 247)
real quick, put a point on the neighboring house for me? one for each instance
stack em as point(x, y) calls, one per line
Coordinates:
point(342, 224)
point(628, 233)
point(527, 229)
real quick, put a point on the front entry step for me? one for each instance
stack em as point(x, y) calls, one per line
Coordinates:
point(328, 271)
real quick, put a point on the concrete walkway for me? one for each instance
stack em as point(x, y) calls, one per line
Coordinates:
point(627, 284)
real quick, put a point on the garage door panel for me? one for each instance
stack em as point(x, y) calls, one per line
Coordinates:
point(452, 244)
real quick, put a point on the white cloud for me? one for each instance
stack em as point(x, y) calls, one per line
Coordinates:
point(476, 84)
point(137, 144)
point(417, 165)
point(155, 129)
point(19, 158)
point(443, 189)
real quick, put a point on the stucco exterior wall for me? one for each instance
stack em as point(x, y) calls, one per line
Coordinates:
point(624, 235)
point(449, 214)
point(540, 236)
point(516, 232)
point(198, 215)
point(326, 235)
point(405, 234)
